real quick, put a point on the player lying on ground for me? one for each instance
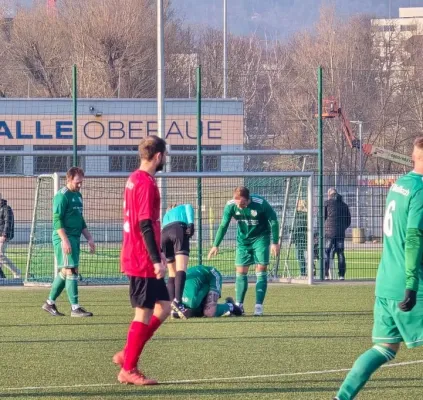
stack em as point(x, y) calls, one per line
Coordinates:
point(398, 310)
point(68, 225)
point(203, 288)
point(141, 260)
point(256, 221)
point(178, 228)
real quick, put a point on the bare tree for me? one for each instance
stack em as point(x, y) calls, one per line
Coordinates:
point(38, 50)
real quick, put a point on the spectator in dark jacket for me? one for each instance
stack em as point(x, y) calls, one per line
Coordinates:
point(6, 234)
point(337, 220)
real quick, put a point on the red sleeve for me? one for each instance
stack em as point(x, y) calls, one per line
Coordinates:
point(145, 194)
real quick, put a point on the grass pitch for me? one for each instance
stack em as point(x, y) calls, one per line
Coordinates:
point(282, 355)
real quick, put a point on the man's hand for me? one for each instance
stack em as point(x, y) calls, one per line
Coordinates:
point(213, 252)
point(275, 249)
point(409, 301)
point(159, 270)
point(66, 246)
point(91, 245)
point(2, 239)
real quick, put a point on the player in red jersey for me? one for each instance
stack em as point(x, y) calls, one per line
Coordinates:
point(141, 259)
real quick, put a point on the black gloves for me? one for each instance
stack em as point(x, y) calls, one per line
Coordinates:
point(190, 230)
point(409, 301)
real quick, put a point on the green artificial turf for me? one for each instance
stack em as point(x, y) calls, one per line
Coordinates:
point(304, 329)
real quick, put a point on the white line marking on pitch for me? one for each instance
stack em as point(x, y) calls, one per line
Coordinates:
point(222, 379)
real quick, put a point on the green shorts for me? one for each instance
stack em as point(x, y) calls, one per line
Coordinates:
point(391, 325)
point(67, 260)
point(257, 252)
point(196, 290)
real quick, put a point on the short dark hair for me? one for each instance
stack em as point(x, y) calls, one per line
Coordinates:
point(242, 191)
point(74, 171)
point(418, 142)
point(150, 146)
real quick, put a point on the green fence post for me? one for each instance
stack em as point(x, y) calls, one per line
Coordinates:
point(75, 115)
point(199, 169)
point(320, 166)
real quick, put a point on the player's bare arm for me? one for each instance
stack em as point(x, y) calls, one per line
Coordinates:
point(221, 232)
point(211, 304)
point(90, 240)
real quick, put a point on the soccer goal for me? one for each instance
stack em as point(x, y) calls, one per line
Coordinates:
point(289, 193)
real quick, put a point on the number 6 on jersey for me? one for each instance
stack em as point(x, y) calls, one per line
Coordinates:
point(388, 223)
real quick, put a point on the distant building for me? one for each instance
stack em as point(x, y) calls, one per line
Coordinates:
point(399, 40)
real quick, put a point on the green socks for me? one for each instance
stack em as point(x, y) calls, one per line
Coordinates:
point(222, 309)
point(261, 286)
point(362, 369)
point(72, 288)
point(241, 286)
point(57, 286)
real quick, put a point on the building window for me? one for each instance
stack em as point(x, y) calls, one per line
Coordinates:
point(384, 28)
point(124, 163)
point(189, 163)
point(45, 164)
point(11, 165)
point(408, 28)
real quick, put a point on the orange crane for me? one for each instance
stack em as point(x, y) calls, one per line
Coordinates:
point(330, 109)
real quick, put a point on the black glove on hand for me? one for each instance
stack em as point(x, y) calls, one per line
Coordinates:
point(190, 230)
point(409, 301)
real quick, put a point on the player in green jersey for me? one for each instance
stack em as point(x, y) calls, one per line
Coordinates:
point(398, 309)
point(257, 232)
point(68, 225)
point(203, 288)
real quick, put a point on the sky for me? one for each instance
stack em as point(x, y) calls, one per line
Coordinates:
point(276, 18)
point(280, 18)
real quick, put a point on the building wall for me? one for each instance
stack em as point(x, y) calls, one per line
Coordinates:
point(102, 123)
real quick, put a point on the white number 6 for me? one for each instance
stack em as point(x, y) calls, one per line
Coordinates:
point(388, 223)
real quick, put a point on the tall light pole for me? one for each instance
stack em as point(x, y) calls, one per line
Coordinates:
point(360, 167)
point(225, 48)
point(161, 94)
point(160, 71)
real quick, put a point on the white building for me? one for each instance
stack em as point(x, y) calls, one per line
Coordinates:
point(399, 39)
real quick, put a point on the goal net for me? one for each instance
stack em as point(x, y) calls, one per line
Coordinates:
point(289, 193)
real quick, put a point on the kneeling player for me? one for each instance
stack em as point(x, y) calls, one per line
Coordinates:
point(203, 288)
point(178, 228)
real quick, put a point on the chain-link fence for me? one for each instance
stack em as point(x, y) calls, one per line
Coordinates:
point(270, 107)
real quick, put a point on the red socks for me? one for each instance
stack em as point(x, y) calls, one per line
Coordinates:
point(138, 335)
point(153, 326)
point(137, 338)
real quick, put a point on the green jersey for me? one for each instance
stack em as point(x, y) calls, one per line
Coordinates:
point(400, 267)
point(67, 213)
point(255, 221)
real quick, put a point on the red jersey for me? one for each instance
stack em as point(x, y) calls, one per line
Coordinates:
point(141, 201)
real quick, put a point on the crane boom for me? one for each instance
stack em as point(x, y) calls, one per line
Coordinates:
point(385, 154)
point(330, 110)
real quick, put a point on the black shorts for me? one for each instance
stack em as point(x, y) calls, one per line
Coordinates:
point(146, 292)
point(175, 241)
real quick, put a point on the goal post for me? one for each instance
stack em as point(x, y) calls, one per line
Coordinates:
point(40, 264)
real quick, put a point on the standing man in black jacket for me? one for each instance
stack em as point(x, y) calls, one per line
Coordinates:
point(337, 220)
point(7, 226)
